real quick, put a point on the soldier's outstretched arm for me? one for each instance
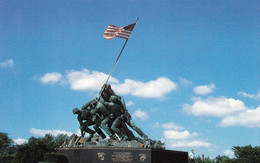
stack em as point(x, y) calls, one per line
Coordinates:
point(137, 129)
point(91, 102)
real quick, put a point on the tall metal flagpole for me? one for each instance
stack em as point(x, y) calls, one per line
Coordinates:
point(117, 60)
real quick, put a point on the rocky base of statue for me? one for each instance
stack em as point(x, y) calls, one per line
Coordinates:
point(96, 141)
point(130, 155)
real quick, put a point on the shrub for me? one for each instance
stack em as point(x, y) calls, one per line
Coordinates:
point(55, 157)
point(240, 160)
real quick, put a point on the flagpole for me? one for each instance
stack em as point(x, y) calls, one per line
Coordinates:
point(117, 60)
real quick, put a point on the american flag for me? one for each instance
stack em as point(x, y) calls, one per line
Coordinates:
point(122, 32)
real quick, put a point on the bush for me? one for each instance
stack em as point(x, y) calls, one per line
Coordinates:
point(240, 160)
point(55, 157)
point(249, 152)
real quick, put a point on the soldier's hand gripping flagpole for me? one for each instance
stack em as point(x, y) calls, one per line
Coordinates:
point(121, 32)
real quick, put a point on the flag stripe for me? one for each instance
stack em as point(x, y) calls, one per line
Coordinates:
point(121, 32)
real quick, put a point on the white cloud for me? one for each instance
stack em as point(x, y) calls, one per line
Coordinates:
point(176, 135)
point(20, 141)
point(171, 126)
point(51, 78)
point(130, 103)
point(204, 89)
point(252, 96)
point(190, 144)
point(152, 89)
point(184, 82)
point(40, 132)
point(248, 118)
point(140, 114)
point(85, 80)
point(229, 153)
point(168, 126)
point(216, 107)
point(7, 64)
point(232, 112)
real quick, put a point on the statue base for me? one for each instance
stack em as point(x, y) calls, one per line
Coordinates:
point(132, 155)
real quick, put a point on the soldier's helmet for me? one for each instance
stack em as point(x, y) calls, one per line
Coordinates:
point(115, 99)
point(75, 111)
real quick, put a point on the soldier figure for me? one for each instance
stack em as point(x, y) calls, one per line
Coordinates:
point(109, 113)
point(116, 104)
point(84, 118)
point(130, 122)
point(100, 111)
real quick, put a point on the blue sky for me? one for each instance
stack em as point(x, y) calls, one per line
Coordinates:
point(189, 73)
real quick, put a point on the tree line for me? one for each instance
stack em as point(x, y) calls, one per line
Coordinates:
point(32, 151)
point(244, 154)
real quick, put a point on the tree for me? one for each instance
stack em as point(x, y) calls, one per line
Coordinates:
point(7, 148)
point(59, 140)
point(206, 160)
point(5, 141)
point(30, 152)
point(221, 159)
point(198, 159)
point(247, 152)
point(35, 149)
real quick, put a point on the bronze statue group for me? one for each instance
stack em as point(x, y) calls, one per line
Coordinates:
point(109, 113)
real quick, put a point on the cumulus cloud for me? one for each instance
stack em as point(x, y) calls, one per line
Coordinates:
point(20, 141)
point(178, 135)
point(190, 144)
point(7, 64)
point(204, 89)
point(216, 107)
point(51, 78)
point(168, 126)
point(231, 111)
point(86, 80)
point(248, 118)
point(252, 96)
point(40, 132)
point(229, 153)
point(151, 89)
point(140, 114)
point(174, 139)
point(130, 103)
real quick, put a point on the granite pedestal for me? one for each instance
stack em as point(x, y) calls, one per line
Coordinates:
point(126, 155)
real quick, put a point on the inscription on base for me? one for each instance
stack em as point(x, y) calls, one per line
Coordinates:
point(122, 157)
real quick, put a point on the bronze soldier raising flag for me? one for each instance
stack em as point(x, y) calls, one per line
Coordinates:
point(108, 111)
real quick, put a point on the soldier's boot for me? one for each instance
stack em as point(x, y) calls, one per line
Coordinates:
point(118, 132)
point(113, 137)
point(89, 138)
point(91, 132)
point(99, 131)
point(104, 126)
point(125, 138)
point(120, 135)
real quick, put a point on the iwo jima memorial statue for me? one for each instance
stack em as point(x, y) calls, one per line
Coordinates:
point(108, 112)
